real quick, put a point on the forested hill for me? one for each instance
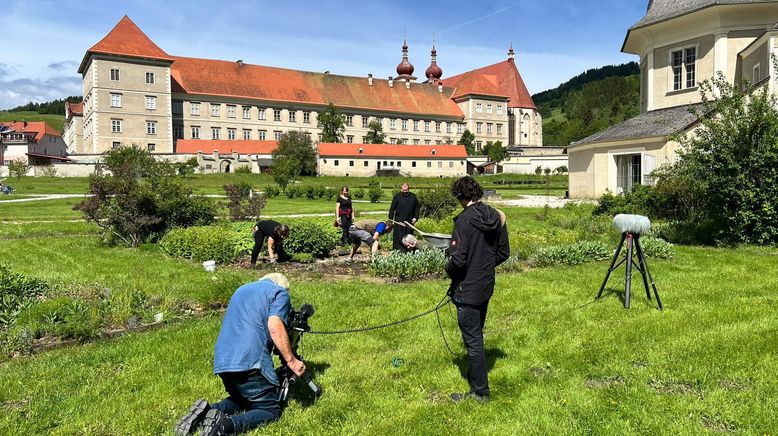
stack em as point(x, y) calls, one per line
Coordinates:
point(588, 103)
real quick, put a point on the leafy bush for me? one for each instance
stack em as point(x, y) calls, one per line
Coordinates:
point(330, 193)
point(436, 203)
point(64, 317)
point(243, 169)
point(17, 293)
point(400, 265)
point(512, 264)
point(294, 191)
point(242, 202)
point(309, 237)
point(641, 201)
point(658, 248)
point(141, 198)
point(374, 192)
point(358, 193)
point(581, 252)
point(303, 258)
point(204, 243)
point(272, 191)
point(314, 191)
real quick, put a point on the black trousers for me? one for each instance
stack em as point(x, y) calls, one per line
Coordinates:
point(259, 241)
point(398, 233)
point(345, 223)
point(471, 323)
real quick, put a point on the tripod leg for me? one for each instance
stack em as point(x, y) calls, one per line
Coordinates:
point(651, 279)
point(610, 268)
point(628, 277)
point(642, 264)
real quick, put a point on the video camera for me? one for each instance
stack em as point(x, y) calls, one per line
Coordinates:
point(297, 325)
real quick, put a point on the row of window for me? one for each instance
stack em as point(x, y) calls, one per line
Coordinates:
point(117, 126)
point(398, 164)
point(149, 147)
point(479, 108)
point(151, 101)
point(479, 128)
point(178, 132)
point(117, 77)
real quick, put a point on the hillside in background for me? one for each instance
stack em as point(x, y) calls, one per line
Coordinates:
point(57, 121)
point(589, 102)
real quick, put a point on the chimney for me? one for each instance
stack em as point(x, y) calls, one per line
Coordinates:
point(240, 62)
point(407, 84)
point(391, 82)
point(370, 79)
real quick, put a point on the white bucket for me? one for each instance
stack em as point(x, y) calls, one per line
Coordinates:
point(209, 265)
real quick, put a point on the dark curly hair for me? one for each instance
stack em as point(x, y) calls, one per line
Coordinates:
point(467, 189)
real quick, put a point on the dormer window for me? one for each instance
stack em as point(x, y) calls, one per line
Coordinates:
point(434, 152)
point(361, 150)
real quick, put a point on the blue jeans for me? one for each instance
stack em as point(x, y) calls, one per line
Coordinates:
point(249, 392)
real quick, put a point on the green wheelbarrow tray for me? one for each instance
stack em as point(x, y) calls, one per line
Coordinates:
point(437, 240)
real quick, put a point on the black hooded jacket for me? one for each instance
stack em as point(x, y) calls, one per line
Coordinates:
point(478, 245)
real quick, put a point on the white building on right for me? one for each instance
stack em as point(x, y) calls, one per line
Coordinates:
point(680, 43)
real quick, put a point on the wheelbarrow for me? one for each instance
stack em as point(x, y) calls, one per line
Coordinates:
point(437, 240)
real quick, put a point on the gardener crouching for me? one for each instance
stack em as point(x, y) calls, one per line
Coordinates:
point(478, 245)
point(413, 245)
point(367, 231)
point(254, 322)
point(275, 233)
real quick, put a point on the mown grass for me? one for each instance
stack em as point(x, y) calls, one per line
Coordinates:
point(558, 364)
point(41, 210)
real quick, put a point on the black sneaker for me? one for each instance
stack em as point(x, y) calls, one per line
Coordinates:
point(189, 423)
point(457, 397)
point(213, 424)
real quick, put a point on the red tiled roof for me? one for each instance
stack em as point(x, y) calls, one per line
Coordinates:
point(225, 146)
point(126, 39)
point(224, 78)
point(49, 156)
point(386, 150)
point(74, 109)
point(40, 128)
point(503, 76)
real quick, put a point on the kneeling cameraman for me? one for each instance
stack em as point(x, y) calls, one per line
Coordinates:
point(254, 322)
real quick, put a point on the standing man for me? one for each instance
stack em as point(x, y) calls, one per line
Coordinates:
point(405, 207)
point(255, 321)
point(275, 233)
point(478, 245)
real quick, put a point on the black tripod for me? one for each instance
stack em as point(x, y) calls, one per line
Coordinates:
point(641, 265)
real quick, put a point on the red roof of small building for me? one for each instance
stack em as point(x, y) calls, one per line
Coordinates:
point(387, 150)
point(39, 128)
point(73, 109)
point(225, 146)
point(224, 78)
point(504, 79)
point(126, 39)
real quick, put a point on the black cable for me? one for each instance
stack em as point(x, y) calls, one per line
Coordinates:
point(443, 335)
point(437, 307)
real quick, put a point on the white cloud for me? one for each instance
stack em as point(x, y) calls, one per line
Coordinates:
point(17, 92)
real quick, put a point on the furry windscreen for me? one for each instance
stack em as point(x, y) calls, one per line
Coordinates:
point(635, 224)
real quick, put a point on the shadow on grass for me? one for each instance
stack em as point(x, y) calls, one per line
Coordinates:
point(300, 392)
point(492, 354)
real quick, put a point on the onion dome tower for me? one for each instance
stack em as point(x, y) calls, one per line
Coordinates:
point(405, 68)
point(434, 72)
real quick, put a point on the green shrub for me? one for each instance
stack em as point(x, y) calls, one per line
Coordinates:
point(272, 191)
point(204, 243)
point(330, 193)
point(17, 293)
point(374, 192)
point(64, 317)
point(641, 201)
point(436, 203)
point(512, 264)
point(303, 258)
point(243, 169)
point(358, 193)
point(400, 265)
point(574, 254)
point(306, 236)
point(658, 248)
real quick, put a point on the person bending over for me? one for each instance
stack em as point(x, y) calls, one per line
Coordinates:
point(367, 231)
point(275, 233)
point(413, 245)
point(479, 243)
point(255, 321)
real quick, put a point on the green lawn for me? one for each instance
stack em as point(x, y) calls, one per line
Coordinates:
point(41, 210)
point(558, 365)
point(54, 120)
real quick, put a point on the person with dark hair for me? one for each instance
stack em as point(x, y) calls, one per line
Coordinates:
point(255, 321)
point(367, 231)
point(275, 233)
point(479, 243)
point(405, 207)
point(344, 213)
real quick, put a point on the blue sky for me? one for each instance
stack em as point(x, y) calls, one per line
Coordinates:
point(44, 40)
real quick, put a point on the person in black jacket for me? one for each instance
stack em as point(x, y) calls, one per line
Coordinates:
point(405, 207)
point(275, 233)
point(479, 243)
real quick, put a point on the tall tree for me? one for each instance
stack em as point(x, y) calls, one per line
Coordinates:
point(332, 124)
point(495, 151)
point(375, 133)
point(297, 147)
point(468, 140)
